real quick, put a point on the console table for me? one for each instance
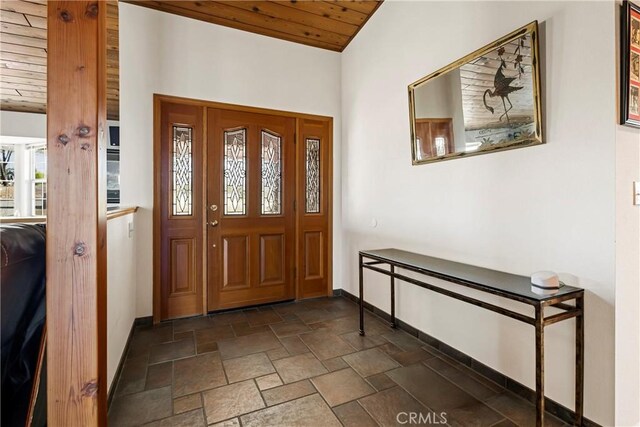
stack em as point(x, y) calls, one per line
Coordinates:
point(510, 286)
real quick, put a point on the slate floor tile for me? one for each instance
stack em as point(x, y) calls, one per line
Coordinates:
point(403, 340)
point(341, 386)
point(244, 328)
point(294, 345)
point(360, 342)
point(197, 373)
point(133, 375)
point(268, 381)
point(159, 375)
point(310, 411)
point(172, 350)
point(353, 415)
point(146, 336)
point(140, 408)
point(326, 345)
point(335, 364)
point(192, 324)
point(187, 403)
point(300, 367)
point(441, 395)
point(381, 381)
point(228, 318)
point(247, 367)
point(242, 346)
point(385, 406)
point(194, 418)
point(214, 334)
point(370, 362)
point(286, 329)
point(288, 392)
point(259, 318)
point(519, 411)
point(231, 401)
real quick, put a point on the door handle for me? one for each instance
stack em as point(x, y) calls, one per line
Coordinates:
point(213, 223)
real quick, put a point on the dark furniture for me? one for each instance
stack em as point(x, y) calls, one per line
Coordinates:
point(510, 286)
point(22, 278)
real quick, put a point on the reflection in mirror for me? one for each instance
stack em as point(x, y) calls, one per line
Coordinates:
point(487, 101)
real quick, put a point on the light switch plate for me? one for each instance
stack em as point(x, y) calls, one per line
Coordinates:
point(636, 193)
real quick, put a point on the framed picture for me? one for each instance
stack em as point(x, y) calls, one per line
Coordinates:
point(630, 55)
point(485, 102)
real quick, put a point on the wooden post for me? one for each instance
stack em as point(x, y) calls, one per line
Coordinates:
point(76, 214)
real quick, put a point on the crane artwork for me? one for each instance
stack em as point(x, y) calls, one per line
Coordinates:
point(502, 84)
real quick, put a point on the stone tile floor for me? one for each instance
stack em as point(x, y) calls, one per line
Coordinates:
point(301, 364)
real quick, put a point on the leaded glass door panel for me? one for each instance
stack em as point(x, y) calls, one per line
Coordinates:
point(180, 165)
point(250, 208)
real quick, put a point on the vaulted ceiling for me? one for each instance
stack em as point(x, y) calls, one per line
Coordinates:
point(324, 24)
point(23, 56)
point(23, 36)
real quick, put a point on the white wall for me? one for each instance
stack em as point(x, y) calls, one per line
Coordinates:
point(30, 125)
point(121, 288)
point(172, 55)
point(546, 207)
point(627, 320)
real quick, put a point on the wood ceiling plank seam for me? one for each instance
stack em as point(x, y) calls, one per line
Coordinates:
point(24, 50)
point(12, 65)
point(226, 23)
point(23, 30)
point(21, 40)
point(378, 4)
point(8, 80)
point(23, 74)
point(27, 59)
point(279, 11)
point(25, 7)
point(239, 15)
point(366, 7)
point(13, 18)
point(20, 87)
point(33, 94)
point(327, 10)
point(40, 2)
point(36, 21)
point(20, 98)
point(9, 91)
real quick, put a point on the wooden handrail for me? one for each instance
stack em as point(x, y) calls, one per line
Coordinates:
point(43, 219)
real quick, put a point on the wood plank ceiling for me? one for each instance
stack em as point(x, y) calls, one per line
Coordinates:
point(23, 37)
point(23, 57)
point(324, 24)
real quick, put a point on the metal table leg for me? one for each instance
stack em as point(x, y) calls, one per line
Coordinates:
point(579, 360)
point(393, 298)
point(539, 324)
point(361, 296)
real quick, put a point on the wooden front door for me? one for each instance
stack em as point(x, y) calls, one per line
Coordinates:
point(242, 212)
point(180, 199)
point(250, 208)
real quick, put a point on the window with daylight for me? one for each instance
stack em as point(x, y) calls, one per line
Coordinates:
point(7, 181)
point(39, 180)
point(235, 172)
point(271, 173)
point(312, 189)
point(182, 180)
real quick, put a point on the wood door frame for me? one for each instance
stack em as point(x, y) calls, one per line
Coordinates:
point(158, 99)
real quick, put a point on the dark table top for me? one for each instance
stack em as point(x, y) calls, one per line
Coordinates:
point(505, 284)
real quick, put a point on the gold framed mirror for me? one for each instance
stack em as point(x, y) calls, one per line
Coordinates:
point(487, 101)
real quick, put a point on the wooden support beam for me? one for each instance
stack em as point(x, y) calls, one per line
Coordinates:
point(76, 223)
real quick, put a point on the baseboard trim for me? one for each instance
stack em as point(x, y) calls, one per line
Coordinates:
point(140, 321)
point(565, 414)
